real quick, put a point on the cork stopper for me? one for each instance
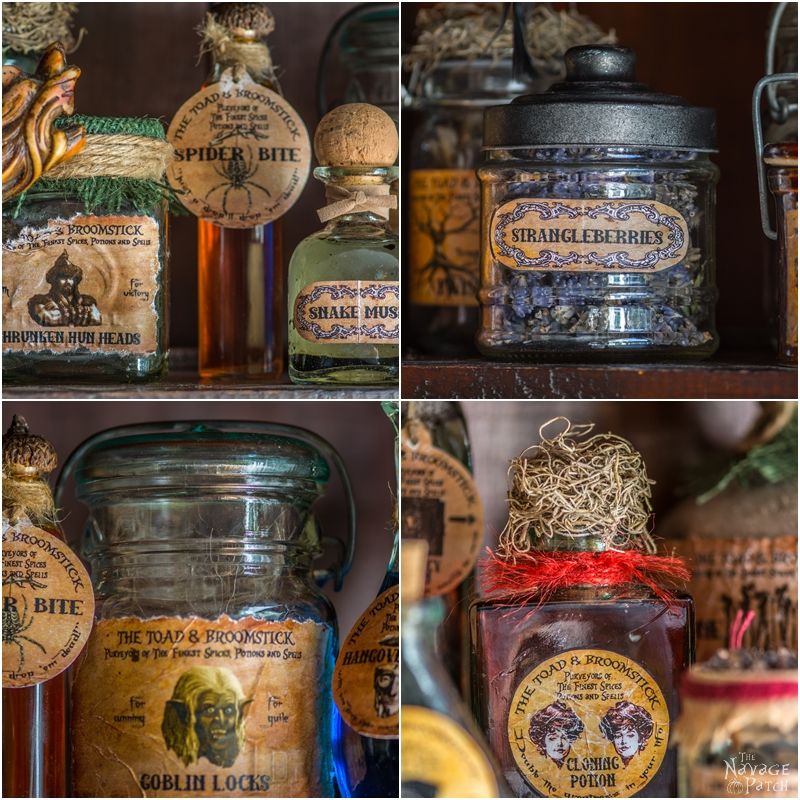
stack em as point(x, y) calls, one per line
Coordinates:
point(246, 20)
point(356, 135)
point(25, 454)
point(413, 569)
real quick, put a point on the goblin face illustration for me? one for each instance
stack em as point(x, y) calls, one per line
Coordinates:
point(215, 726)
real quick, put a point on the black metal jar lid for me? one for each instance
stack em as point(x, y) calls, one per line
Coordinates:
point(600, 103)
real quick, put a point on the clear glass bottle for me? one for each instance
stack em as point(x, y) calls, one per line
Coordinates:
point(444, 754)
point(590, 638)
point(446, 119)
point(241, 310)
point(352, 263)
point(213, 644)
point(598, 220)
point(444, 424)
point(35, 718)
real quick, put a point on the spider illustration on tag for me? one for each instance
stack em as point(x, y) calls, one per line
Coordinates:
point(237, 174)
point(14, 626)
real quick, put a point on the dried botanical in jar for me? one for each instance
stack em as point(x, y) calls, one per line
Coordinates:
point(598, 219)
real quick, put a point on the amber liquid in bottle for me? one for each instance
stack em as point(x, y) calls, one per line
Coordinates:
point(511, 639)
point(242, 310)
point(35, 734)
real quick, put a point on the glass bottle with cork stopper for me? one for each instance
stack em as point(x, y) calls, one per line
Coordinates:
point(343, 280)
point(45, 622)
point(241, 311)
point(581, 643)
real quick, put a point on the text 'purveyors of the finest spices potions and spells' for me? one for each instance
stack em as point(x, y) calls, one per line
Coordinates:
point(242, 153)
point(48, 605)
point(200, 707)
point(88, 282)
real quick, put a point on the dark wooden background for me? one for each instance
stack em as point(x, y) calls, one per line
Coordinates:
point(358, 430)
point(141, 59)
point(712, 54)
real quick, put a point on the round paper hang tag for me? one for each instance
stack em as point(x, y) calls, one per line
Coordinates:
point(440, 759)
point(366, 681)
point(441, 505)
point(242, 153)
point(588, 723)
point(48, 606)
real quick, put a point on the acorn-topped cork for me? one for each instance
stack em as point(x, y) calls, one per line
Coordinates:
point(25, 453)
point(356, 134)
point(246, 20)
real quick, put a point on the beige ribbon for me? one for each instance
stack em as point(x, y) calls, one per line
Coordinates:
point(372, 199)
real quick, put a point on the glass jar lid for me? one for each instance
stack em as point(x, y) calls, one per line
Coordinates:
point(244, 455)
point(600, 103)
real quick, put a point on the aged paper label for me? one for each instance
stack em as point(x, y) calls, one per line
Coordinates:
point(791, 278)
point(48, 605)
point(440, 759)
point(755, 779)
point(84, 284)
point(441, 505)
point(737, 572)
point(187, 707)
point(349, 312)
point(366, 681)
point(444, 237)
point(588, 723)
point(588, 235)
point(242, 153)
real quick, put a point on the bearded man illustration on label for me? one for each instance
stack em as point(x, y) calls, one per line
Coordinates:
point(64, 304)
point(205, 716)
point(628, 727)
point(553, 729)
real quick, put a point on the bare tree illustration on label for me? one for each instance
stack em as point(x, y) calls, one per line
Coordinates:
point(242, 153)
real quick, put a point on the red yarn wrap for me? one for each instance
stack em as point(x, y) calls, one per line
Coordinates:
point(537, 575)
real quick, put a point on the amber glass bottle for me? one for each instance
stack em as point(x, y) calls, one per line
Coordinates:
point(586, 639)
point(34, 717)
point(241, 305)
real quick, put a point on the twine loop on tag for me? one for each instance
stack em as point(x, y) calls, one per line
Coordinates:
point(227, 50)
point(365, 199)
point(28, 498)
point(576, 487)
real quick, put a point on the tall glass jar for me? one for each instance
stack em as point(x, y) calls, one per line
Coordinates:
point(209, 667)
point(598, 210)
point(444, 198)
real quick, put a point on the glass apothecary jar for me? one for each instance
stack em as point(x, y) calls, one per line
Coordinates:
point(85, 255)
point(598, 216)
point(444, 197)
point(209, 667)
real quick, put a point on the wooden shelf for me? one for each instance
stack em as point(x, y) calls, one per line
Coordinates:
point(183, 382)
point(721, 378)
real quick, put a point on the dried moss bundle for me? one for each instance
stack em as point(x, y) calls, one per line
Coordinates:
point(576, 485)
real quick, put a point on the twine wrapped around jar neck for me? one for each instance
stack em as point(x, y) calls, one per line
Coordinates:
point(229, 50)
point(29, 28)
point(573, 487)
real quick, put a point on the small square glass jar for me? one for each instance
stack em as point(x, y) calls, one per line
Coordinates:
point(598, 220)
point(85, 262)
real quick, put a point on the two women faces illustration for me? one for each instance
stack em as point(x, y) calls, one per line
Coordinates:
point(555, 728)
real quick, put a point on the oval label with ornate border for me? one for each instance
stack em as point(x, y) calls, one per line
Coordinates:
point(242, 153)
point(588, 235)
point(349, 312)
point(588, 723)
point(366, 680)
point(48, 605)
